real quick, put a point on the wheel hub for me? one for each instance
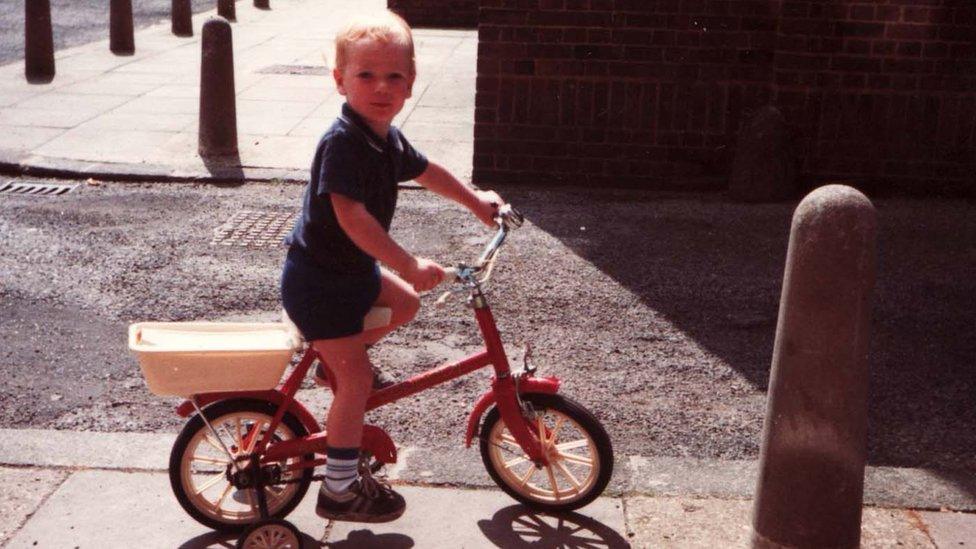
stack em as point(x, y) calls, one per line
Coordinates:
point(244, 479)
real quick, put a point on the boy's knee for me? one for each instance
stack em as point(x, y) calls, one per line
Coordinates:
point(406, 308)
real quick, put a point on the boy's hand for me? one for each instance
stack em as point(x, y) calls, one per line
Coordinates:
point(423, 274)
point(487, 207)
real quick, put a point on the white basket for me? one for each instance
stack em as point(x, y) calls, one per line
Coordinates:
point(186, 358)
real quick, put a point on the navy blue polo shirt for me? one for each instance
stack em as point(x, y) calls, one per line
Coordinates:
point(353, 161)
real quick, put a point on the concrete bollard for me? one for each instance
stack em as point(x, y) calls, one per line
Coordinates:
point(218, 111)
point(262, 4)
point(121, 40)
point(227, 9)
point(38, 42)
point(182, 18)
point(811, 465)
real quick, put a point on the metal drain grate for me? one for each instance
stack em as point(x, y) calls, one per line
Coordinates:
point(35, 189)
point(254, 229)
point(299, 70)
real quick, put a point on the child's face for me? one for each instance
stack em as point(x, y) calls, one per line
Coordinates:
point(376, 81)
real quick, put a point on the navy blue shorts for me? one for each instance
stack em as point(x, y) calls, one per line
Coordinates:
point(326, 305)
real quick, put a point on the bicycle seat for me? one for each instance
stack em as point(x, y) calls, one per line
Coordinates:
point(377, 317)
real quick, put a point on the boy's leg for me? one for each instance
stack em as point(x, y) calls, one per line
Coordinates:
point(402, 300)
point(350, 364)
point(345, 495)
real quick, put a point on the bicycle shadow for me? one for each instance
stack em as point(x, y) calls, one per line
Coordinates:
point(517, 526)
point(366, 539)
point(217, 540)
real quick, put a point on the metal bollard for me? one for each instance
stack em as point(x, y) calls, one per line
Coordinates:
point(121, 40)
point(218, 111)
point(227, 9)
point(811, 466)
point(38, 42)
point(262, 4)
point(182, 18)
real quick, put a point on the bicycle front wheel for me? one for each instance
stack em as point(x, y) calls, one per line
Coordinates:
point(198, 465)
point(576, 445)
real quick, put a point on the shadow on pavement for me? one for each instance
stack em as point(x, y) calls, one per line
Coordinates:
point(210, 540)
point(365, 539)
point(714, 269)
point(517, 526)
point(213, 540)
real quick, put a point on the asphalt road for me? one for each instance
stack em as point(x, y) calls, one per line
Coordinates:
point(658, 312)
point(77, 22)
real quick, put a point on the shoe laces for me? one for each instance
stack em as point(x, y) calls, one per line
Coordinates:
point(372, 486)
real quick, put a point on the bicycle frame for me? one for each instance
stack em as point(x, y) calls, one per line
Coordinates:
point(504, 392)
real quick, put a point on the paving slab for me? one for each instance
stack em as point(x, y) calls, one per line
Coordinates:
point(948, 528)
point(120, 509)
point(443, 517)
point(50, 448)
point(24, 489)
point(710, 522)
point(95, 91)
point(689, 522)
point(884, 486)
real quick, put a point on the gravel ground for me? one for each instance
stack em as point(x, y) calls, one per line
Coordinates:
point(657, 311)
point(75, 22)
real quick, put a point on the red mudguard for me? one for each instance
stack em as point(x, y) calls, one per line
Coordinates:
point(544, 385)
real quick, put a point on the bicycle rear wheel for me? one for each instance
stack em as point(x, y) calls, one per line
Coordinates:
point(198, 465)
point(577, 447)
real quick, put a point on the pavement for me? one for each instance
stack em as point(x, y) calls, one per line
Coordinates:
point(74, 489)
point(135, 117)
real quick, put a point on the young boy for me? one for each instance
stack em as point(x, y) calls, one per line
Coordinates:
point(331, 278)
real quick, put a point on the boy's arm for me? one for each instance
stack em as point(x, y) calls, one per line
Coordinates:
point(483, 204)
point(367, 233)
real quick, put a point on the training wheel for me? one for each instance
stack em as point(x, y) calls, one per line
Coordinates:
point(270, 534)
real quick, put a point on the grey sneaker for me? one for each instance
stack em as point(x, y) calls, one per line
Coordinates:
point(367, 500)
point(381, 379)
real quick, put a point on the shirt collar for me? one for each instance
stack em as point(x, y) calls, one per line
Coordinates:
point(352, 119)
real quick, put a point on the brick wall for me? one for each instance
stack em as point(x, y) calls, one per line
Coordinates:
point(882, 91)
point(651, 93)
point(437, 13)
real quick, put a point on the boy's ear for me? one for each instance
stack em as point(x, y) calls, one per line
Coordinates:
point(340, 85)
point(410, 80)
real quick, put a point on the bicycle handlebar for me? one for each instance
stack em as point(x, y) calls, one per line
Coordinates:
point(508, 218)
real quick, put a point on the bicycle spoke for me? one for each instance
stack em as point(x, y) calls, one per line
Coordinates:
point(509, 439)
point(562, 468)
point(552, 482)
point(210, 483)
point(254, 435)
point(576, 459)
point(240, 434)
point(555, 431)
point(223, 495)
point(227, 433)
point(216, 445)
point(572, 445)
point(528, 475)
point(215, 461)
point(516, 461)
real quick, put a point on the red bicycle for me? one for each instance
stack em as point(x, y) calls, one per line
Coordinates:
point(246, 458)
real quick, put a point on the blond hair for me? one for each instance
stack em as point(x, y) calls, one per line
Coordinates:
point(383, 26)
